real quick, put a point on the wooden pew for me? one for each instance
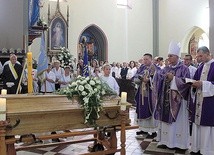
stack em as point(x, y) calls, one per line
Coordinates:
point(47, 113)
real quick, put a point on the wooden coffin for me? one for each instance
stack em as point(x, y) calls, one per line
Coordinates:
point(45, 113)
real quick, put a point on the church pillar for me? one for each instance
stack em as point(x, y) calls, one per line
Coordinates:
point(155, 18)
point(211, 30)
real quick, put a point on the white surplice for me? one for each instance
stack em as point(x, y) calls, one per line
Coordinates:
point(111, 82)
point(175, 134)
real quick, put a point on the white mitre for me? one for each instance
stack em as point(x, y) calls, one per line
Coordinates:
point(174, 48)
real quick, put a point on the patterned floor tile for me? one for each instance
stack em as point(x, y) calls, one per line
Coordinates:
point(135, 145)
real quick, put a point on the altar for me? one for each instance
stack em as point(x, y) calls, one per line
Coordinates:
point(27, 114)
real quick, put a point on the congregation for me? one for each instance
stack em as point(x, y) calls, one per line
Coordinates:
point(173, 97)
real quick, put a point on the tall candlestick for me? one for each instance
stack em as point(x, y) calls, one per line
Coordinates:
point(29, 72)
point(4, 92)
point(122, 107)
point(123, 97)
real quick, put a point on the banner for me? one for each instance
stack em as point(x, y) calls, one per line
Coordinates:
point(43, 59)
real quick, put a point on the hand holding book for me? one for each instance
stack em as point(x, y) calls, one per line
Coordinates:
point(194, 83)
point(190, 81)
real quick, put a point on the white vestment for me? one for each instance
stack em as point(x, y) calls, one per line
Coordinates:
point(192, 71)
point(111, 82)
point(175, 134)
point(148, 125)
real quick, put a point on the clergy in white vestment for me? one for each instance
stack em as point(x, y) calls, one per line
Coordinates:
point(48, 83)
point(109, 79)
point(203, 109)
point(172, 107)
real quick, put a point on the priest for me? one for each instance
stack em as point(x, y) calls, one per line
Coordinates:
point(203, 117)
point(172, 105)
point(146, 97)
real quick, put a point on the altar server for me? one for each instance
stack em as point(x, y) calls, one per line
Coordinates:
point(107, 78)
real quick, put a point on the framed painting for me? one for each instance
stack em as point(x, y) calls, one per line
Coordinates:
point(58, 34)
point(193, 46)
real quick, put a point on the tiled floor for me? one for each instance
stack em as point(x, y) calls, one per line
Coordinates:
point(140, 145)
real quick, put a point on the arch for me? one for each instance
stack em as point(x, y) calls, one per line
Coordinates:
point(95, 35)
point(194, 31)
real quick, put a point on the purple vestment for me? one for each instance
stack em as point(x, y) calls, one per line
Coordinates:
point(169, 100)
point(207, 109)
point(145, 110)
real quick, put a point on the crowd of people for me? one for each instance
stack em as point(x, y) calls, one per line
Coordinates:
point(174, 97)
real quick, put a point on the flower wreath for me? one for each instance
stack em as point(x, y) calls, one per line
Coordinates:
point(90, 91)
point(65, 57)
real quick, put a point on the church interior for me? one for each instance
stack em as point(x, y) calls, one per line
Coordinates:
point(113, 31)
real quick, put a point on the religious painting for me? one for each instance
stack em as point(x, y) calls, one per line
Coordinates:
point(89, 45)
point(57, 34)
point(193, 46)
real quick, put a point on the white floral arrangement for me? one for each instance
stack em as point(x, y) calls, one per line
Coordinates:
point(90, 91)
point(65, 57)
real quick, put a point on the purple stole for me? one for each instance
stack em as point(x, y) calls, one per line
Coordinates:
point(145, 107)
point(207, 113)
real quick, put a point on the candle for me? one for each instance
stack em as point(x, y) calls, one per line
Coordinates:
point(123, 97)
point(4, 92)
point(29, 72)
point(122, 107)
point(2, 104)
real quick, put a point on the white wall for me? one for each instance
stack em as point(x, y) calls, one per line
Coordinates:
point(13, 24)
point(177, 17)
point(128, 31)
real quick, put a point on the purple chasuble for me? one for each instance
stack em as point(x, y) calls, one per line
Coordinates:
point(169, 101)
point(145, 110)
